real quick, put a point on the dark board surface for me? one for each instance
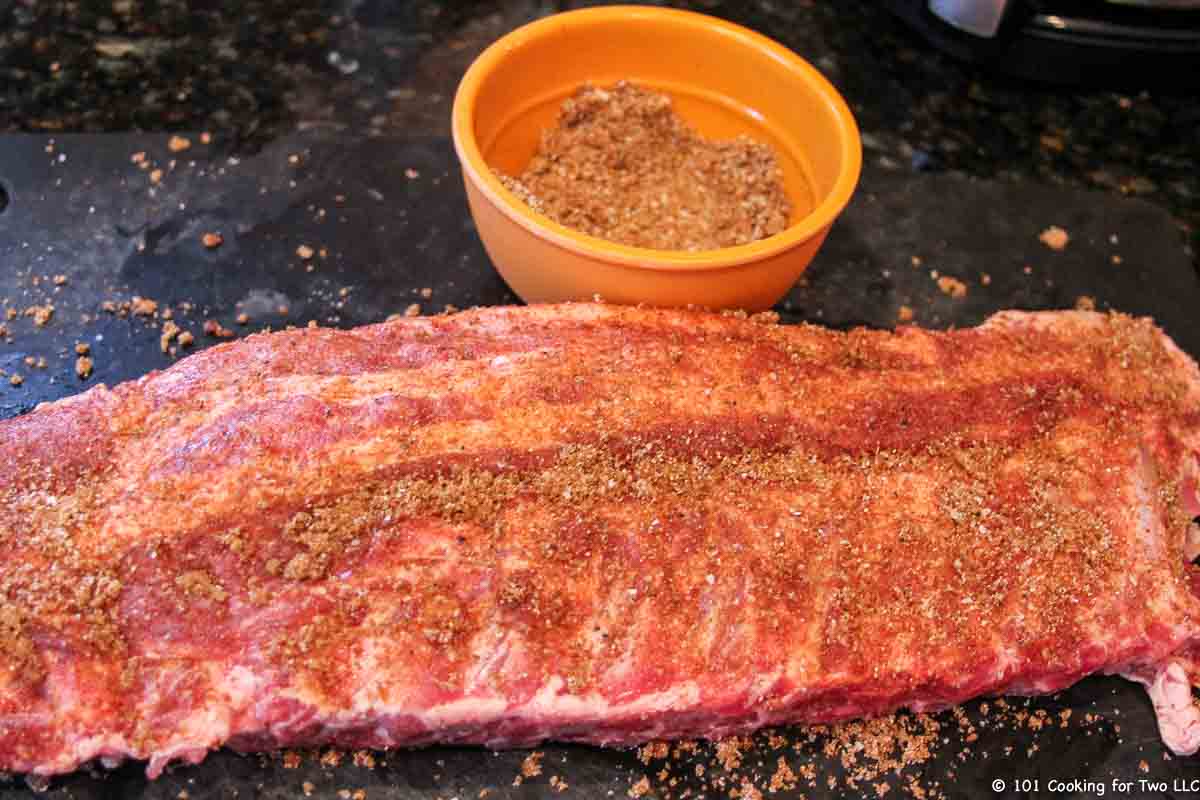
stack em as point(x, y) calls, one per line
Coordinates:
point(386, 218)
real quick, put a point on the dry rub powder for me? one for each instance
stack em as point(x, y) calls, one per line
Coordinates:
point(621, 165)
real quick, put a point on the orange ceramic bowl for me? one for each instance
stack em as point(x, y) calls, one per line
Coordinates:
point(724, 80)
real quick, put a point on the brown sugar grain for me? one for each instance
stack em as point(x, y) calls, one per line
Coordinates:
point(621, 165)
point(1055, 238)
point(952, 287)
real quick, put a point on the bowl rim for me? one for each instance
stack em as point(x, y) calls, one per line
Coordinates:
point(478, 173)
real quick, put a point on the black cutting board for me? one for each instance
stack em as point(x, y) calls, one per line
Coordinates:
point(386, 218)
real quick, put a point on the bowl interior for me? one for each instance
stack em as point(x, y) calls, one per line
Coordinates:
point(724, 80)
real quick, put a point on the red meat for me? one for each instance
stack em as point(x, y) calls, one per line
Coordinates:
point(593, 524)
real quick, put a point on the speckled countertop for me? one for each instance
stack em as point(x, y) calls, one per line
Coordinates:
point(250, 71)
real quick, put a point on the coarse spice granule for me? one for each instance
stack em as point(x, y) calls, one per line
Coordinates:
point(623, 166)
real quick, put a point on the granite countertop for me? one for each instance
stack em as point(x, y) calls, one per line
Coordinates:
point(391, 66)
point(323, 224)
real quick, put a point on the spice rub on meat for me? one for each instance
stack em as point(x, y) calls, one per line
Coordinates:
point(595, 524)
point(620, 164)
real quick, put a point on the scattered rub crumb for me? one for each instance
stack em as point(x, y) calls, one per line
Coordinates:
point(532, 765)
point(283, 310)
point(212, 240)
point(82, 348)
point(1054, 237)
point(206, 138)
point(905, 314)
point(1143, 766)
point(784, 778)
point(169, 332)
point(985, 279)
point(177, 144)
point(640, 788)
point(1116, 259)
point(558, 784)
point(186, 339)
point(748, 791)
point(138, 158)
point(83, 366)
point(653, 750)
point(427, 293)
point(60, 280)
point(305, 252)
point(243, 318)
point(952, 287)
point(215, 329)
point(307, 787)
point(413, 310)
point(199, 584)
point(41, 314)
point(142, 307)
point(156, 175)
point(729, 752)
point(16, 380)
point(1085, 303)
point(364, 758)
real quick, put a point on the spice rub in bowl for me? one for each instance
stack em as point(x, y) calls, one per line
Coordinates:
point(622, 165)
point(724, 80)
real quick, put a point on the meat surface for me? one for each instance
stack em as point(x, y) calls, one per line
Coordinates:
point(593, 524)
